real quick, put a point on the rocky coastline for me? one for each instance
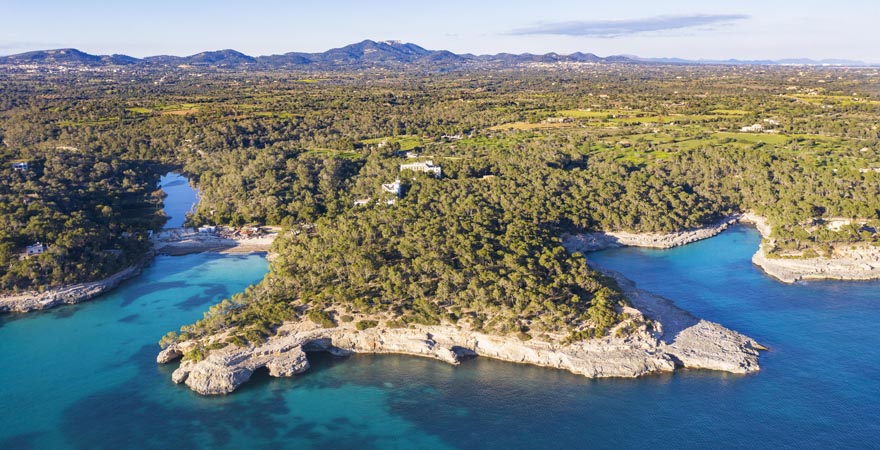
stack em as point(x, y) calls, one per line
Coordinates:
point(674, 339)
point(170, 242)
point(69, 295)
point(848, 262)
point(859, 262)
point(601, 240)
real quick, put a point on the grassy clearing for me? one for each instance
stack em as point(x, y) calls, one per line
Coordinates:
point(278, 115)
point(406, 141)
point(840, 100)
point(88, 123)
point(755, 138)
point(178, 109)
point(329, 152)
point(731, 112)
point(531, 126)
point(139, 110)
point(600, 113)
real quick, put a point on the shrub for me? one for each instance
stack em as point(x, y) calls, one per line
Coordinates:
point(394, 324)
point(321, 318)
point(216, 345)
point(364, 324)
point(168, 339)
point(196, 353)
point(237, 341)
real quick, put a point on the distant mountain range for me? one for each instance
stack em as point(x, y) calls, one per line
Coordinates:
point(360, 55)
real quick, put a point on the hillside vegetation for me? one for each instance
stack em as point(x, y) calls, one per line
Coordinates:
point(527, 154)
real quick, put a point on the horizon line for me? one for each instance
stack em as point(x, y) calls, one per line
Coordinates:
point(859, 61)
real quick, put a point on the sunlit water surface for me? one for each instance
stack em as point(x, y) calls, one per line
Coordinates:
point(85, 376)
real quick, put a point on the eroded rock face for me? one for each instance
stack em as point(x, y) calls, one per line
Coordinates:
point(289, 363)
point(214, 376)
point(169, 354)
point(677, 340)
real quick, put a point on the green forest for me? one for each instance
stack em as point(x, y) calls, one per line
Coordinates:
point(527, 154)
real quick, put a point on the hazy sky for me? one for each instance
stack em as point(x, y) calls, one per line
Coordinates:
point(745, 29)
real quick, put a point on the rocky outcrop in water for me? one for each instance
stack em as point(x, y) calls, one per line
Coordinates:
point(676, 339)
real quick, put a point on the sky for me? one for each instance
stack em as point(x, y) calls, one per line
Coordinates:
point(743, 29)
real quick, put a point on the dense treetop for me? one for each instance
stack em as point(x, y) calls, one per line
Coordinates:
point(527, 154)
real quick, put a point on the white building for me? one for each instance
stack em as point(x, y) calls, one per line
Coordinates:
point(36, 249)
point(425, 166)
point(207, 229)
point(756, 128)
point(393, 188)
point(362, 201)
point(20, 166)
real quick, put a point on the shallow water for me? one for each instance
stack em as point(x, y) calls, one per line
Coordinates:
point(85, 376)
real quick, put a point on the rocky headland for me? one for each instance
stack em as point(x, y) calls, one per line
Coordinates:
point(847, 261)
point(666, 339)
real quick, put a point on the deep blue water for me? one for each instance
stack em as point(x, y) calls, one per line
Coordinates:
point(180, 200)
point(85, 376)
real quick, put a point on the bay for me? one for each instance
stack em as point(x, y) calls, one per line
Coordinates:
point(85, 377)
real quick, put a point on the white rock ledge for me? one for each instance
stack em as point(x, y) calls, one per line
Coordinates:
point(677, 340)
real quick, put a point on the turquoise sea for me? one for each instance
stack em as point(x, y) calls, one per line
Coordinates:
point(85, 377)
